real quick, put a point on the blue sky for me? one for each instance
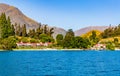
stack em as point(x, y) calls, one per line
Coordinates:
point(74, 14)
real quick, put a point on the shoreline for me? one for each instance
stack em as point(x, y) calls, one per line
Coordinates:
point(48, 49)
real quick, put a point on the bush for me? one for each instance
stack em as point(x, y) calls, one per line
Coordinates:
point(34, 41)
point(45, 38)
point(24, 40)
point(8, 43)
point(110, 46)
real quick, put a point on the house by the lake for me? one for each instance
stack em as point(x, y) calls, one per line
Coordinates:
point(33, 44)
point(99, 47)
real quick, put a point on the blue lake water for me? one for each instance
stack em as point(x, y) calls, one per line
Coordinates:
point(60, 63)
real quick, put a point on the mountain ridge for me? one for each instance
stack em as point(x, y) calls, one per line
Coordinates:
point(18, 17)
point(89, 28)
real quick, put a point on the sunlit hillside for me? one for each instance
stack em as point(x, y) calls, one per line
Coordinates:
point(111, 39)
point(88, 34)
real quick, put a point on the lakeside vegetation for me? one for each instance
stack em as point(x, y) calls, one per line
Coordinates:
point(10, 34)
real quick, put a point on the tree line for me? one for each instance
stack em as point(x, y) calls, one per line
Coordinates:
point(8, 33)
point(72, 41)
point(111, 32)
point(44, 33)
point(6, 30)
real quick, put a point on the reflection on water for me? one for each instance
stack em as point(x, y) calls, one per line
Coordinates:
point(62, 63)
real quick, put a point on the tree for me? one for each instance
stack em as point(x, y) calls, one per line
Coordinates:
point(8, 43)
point(51, 31)
point(4, 26)
point(45, 29)
point(116, 40)
point(31, 33)
point(39, 31)
point(108, 32)
point(70, 33)
point(80, 42)
point(12, 30)
point(18, 30)
point(45, 38)
point(59, 39)
point(33, 40)
point(9, 27)
point(24, 39)
point(93, 38)
point(67, 42)
point(6, 29)
point(24, 32)
point(110, 46)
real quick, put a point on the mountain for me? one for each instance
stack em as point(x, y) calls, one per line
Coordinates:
point(90, 28)
point(18, 17)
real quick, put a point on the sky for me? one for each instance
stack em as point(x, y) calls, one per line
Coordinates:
point(70, 14)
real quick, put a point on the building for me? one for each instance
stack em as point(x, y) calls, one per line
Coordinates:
point(99, 47)
point(20, 44)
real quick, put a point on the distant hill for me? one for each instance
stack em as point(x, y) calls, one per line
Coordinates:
point(18, 17)
point(90, 28)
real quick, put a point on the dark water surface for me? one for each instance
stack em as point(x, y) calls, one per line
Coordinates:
point(62, 63)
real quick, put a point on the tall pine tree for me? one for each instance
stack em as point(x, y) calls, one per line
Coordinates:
point(5, 26)
point(24, 33)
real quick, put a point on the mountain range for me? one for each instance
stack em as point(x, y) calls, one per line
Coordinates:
point(18, 17)
point(90, 28)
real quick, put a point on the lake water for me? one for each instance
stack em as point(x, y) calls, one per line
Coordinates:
point(60, 63)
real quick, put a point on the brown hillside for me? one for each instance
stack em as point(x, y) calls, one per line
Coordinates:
point(18, 17)
point(90, 28)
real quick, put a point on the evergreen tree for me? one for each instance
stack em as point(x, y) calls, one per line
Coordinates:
point(9, 26)
point(6, 28)
point(67, 42)
point(12, 30)
point(3, 26)
point(109, 32)
point(45, 29)
point(93, 38)
point(59, 39)
point(31, 33)
point(39, 31)
point(51, 31)
point(18, 32)
point(24, 33)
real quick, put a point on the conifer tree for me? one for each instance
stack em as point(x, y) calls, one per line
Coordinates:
point(12, 30)
point(45, 29)
point(39, 31)
point(51, 31)
point(24, 33)
point(4, 26)
point(19, 30)
point(31, 33)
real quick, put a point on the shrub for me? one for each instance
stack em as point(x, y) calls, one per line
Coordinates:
point(8, 43)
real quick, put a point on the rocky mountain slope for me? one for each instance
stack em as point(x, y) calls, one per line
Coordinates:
point(18, 17)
